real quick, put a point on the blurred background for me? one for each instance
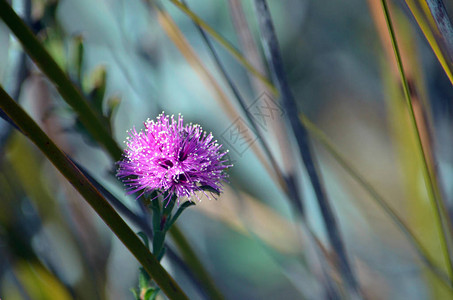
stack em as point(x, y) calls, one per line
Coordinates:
point(341, 69)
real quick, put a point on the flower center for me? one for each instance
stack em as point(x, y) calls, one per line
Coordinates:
point(182, 155)
point(166, 164)
point(181, 178)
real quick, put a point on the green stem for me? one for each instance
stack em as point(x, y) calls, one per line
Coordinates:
point(158, 232)
point(65, 87)
point(158, 243)
point(194, 263)
point(91, 195)
point(429, 180)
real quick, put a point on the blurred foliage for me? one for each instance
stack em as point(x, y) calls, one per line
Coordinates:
point(131, 60)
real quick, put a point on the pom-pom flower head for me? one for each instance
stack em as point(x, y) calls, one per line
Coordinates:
point(170, 157)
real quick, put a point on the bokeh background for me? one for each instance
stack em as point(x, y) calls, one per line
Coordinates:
point(342, 72)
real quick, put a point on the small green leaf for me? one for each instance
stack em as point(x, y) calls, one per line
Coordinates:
point(155, 207)
point(169, 207)
point(210, 189)
point(178, 213)
point(112, 106)
point(144, 238)
point(143, 279)
point(151, 294)
point(161, 253)
point(158, 242)
point(97, 93)
point(78, 57)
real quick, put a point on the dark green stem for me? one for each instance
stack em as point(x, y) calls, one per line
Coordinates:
point(158, 228)
point(91, 195)
point(158, 243)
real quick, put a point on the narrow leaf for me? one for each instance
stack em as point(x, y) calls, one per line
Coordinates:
point(178, 213)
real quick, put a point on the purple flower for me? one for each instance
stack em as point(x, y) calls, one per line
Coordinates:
point(170, 157)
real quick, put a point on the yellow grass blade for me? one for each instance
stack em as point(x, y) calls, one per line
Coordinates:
point(427, 25)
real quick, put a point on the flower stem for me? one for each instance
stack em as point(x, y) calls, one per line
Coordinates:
point(158, 230)
point(91, 195)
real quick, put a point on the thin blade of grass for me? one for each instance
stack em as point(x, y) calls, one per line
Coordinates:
point(271, 47)
point(420, 211)
point(251, 53)
point(292, 190)
point(433, 194)
point(247, 44)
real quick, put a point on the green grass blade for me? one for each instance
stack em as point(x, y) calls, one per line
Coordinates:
point(431, 186)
